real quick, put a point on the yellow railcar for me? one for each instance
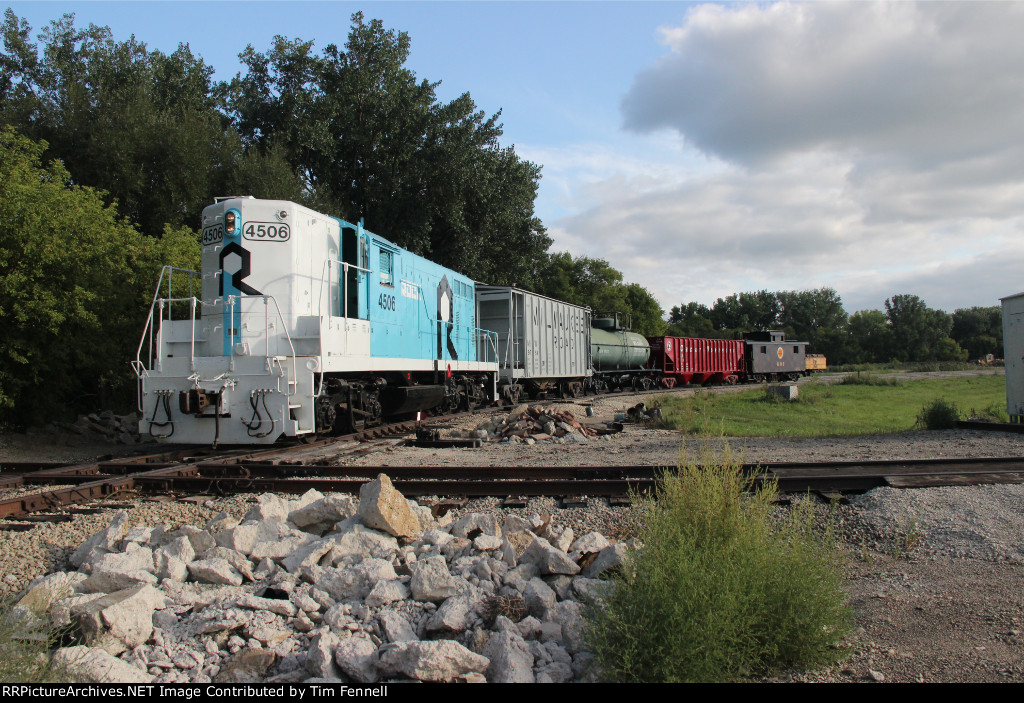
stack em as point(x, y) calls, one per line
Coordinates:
point(815, 362)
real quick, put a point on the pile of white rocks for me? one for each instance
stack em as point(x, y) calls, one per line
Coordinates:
point(328, 588)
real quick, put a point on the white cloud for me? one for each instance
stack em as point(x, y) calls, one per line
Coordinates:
point(872, 147)
point(926, 82)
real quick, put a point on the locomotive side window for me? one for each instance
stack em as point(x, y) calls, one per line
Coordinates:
point(796, 350)
point(386, 271)
point(764, 350)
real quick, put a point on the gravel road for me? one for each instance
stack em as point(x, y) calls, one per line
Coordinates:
point(935, 575)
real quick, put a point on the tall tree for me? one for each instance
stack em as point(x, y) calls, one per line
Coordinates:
point(647, 313)
point(142, 126)
point(372, 142)
point(690, 320)
point(979, 330)
point(917, 330)
point(75, 286)
point(818, 317)
point(870, 337)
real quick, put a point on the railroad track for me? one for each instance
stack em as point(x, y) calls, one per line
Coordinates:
point(83, 483)
point(281, 471)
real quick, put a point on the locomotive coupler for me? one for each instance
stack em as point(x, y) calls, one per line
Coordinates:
point(195, 401)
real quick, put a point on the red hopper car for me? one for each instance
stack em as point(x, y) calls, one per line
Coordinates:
point(691, 360)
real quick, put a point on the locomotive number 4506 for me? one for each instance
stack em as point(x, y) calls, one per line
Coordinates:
point(386, 302)
point(266, 231)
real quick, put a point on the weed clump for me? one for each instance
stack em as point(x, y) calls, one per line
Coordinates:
point(721, 588)
point(26, 641)
point(938, 415)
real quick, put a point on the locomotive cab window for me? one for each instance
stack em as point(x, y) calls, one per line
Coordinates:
point(764, 350)
point(796, 350)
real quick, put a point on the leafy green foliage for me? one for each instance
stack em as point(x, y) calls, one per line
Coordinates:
point(720, 588)
point(142, 126)
point(979, 331)
point(870, 337)
point(917, 330)
point(74, 291)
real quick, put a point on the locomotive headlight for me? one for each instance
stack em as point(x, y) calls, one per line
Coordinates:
point(229, 222)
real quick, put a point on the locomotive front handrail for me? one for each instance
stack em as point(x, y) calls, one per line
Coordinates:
point(167, 271)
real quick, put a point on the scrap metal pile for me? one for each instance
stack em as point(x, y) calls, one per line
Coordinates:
point(530, 424)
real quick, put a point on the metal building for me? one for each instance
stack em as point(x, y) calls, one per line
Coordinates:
point(1013, 345)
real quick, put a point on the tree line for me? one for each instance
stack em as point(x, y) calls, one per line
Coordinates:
point(906, 330)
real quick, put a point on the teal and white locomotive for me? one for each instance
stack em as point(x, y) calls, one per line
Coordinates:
point(301, 323)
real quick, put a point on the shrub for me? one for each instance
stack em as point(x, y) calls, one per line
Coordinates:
point(25, 644)
point(938, 415)
point(721, 588)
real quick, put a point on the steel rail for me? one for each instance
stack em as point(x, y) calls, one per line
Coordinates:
point(564, 481)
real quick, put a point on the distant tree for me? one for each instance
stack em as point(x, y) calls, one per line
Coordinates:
point(583, 281)
point(647, 313)
point(75, 285)
point(746, 312)
point(728, 315)
point(979, 331)
point(870, 337)
point(596, 284)
point(917, 330)
point(690, 320)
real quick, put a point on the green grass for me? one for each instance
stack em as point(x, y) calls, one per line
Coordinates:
point(871, 406)
point(903, 366)
point(722, 588)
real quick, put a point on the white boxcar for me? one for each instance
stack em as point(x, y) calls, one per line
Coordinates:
point(1013, 343)
point(543, 343)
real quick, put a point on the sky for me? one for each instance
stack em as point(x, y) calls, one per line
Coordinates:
point(706, 149)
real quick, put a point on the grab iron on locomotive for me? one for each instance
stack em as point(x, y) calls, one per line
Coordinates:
point(300, 324)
